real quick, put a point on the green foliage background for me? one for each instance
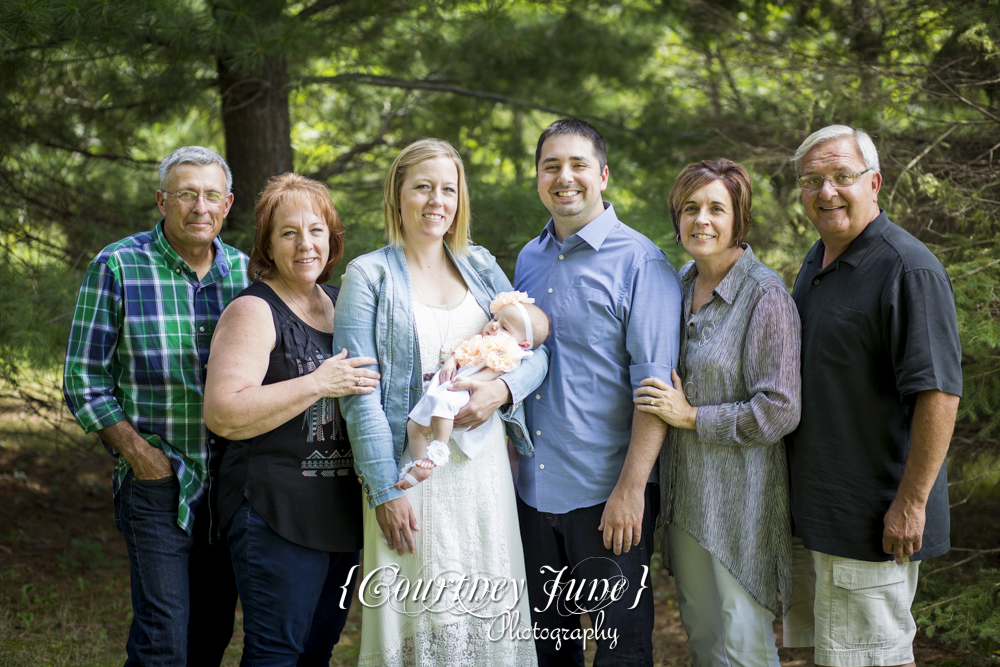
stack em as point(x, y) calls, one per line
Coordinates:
point(93, 93)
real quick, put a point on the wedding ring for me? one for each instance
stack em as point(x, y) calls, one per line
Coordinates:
point(359, 383)
point(652, 402)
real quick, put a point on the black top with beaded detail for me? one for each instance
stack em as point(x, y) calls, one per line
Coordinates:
point(300, 476)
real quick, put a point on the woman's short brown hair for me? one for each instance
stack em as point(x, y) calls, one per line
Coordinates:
point(417, 152)
point(733, 176)
point(304, 191)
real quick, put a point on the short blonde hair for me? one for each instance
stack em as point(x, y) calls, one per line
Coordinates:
point(417, 152)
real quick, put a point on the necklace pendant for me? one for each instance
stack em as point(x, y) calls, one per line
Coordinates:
point(442, 355)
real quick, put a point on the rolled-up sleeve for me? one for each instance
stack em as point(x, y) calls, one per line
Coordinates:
point(652, 333)
point(88, 380)
point(354, 329)
point(770, 367)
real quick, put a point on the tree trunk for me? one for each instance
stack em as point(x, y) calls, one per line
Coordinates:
point(258, 138)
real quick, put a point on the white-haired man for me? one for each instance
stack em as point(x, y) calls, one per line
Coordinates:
point(135, 374)
point(881, 380)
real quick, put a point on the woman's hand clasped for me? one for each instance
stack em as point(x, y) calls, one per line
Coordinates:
point(668, 403)
point(339, 376)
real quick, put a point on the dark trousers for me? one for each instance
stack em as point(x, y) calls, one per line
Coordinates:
point(571, 541)
point(291, 595)
point(183, 591)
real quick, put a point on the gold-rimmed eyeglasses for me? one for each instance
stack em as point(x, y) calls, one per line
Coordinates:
point(190, 197)
point(815, 182)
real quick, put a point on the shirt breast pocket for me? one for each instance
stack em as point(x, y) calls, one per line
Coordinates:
point(584, 313)
point(843, 332)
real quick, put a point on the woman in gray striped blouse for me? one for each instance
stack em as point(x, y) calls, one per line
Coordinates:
point(724, 479)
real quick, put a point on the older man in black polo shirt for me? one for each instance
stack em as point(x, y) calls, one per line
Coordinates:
point(881, 380)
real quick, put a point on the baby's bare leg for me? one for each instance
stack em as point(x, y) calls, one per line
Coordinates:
point(441, 427)
point(420, 437)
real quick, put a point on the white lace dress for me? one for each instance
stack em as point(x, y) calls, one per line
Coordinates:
point(461, 598)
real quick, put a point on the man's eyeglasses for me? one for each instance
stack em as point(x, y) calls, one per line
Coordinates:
point(810, 183)
point(189, 197)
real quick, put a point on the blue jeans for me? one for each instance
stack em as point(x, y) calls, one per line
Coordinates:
point(183, 592)
point(571, 540)
point(291, 595)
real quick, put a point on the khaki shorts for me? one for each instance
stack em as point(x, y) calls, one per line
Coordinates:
point(855, 613)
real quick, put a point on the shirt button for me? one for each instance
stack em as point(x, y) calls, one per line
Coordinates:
point(177, 270)
point(816, 282)
point(212, 441)
point(541, 466)
point(561, 257)
point(538, 397)
point(201, 329)
point(550, 290)
point(538, 432)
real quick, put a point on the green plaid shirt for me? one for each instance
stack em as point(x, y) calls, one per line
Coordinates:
point(138, 351)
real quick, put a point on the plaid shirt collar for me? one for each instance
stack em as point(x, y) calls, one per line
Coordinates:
point(176, 263)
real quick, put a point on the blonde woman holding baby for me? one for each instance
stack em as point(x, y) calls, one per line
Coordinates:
point(410, 305)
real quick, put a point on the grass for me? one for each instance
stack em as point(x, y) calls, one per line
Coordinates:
point(64, 581)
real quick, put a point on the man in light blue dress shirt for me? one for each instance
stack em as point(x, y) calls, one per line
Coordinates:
point(588, 498)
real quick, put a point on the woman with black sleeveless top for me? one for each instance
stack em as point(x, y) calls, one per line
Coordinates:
point(287, 493)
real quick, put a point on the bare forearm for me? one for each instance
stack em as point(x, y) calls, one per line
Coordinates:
point(648, 433)
point(255, 410)
point(486, 375)
point(147, 462)
point(930, 435)
point(621, 520)
point(123, 438)
point(933, 424)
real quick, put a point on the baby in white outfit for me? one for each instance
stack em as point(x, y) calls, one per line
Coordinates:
point(517, 327)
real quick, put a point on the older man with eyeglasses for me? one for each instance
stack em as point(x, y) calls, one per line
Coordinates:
point(135, 374)
point(881, 380)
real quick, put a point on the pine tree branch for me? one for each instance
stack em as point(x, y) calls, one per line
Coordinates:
point(961, 98)
point(981, 268)
point(404, 84)
point(976, 554)
point(983, 374)
point(320, 6)
point(917, 159)
point(341, 162)
point(80, 151)
point(973, 479)
point(936, 604)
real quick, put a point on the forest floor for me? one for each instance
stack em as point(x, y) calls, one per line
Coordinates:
point(64, 578)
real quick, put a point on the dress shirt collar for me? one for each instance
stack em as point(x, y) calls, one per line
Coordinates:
point(594, 232)
point(861, 244)
point(730, 285)
point(175, 261)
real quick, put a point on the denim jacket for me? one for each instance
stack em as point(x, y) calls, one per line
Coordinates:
point(373, 318)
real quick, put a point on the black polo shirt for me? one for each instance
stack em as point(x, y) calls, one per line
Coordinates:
point(878, 326)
